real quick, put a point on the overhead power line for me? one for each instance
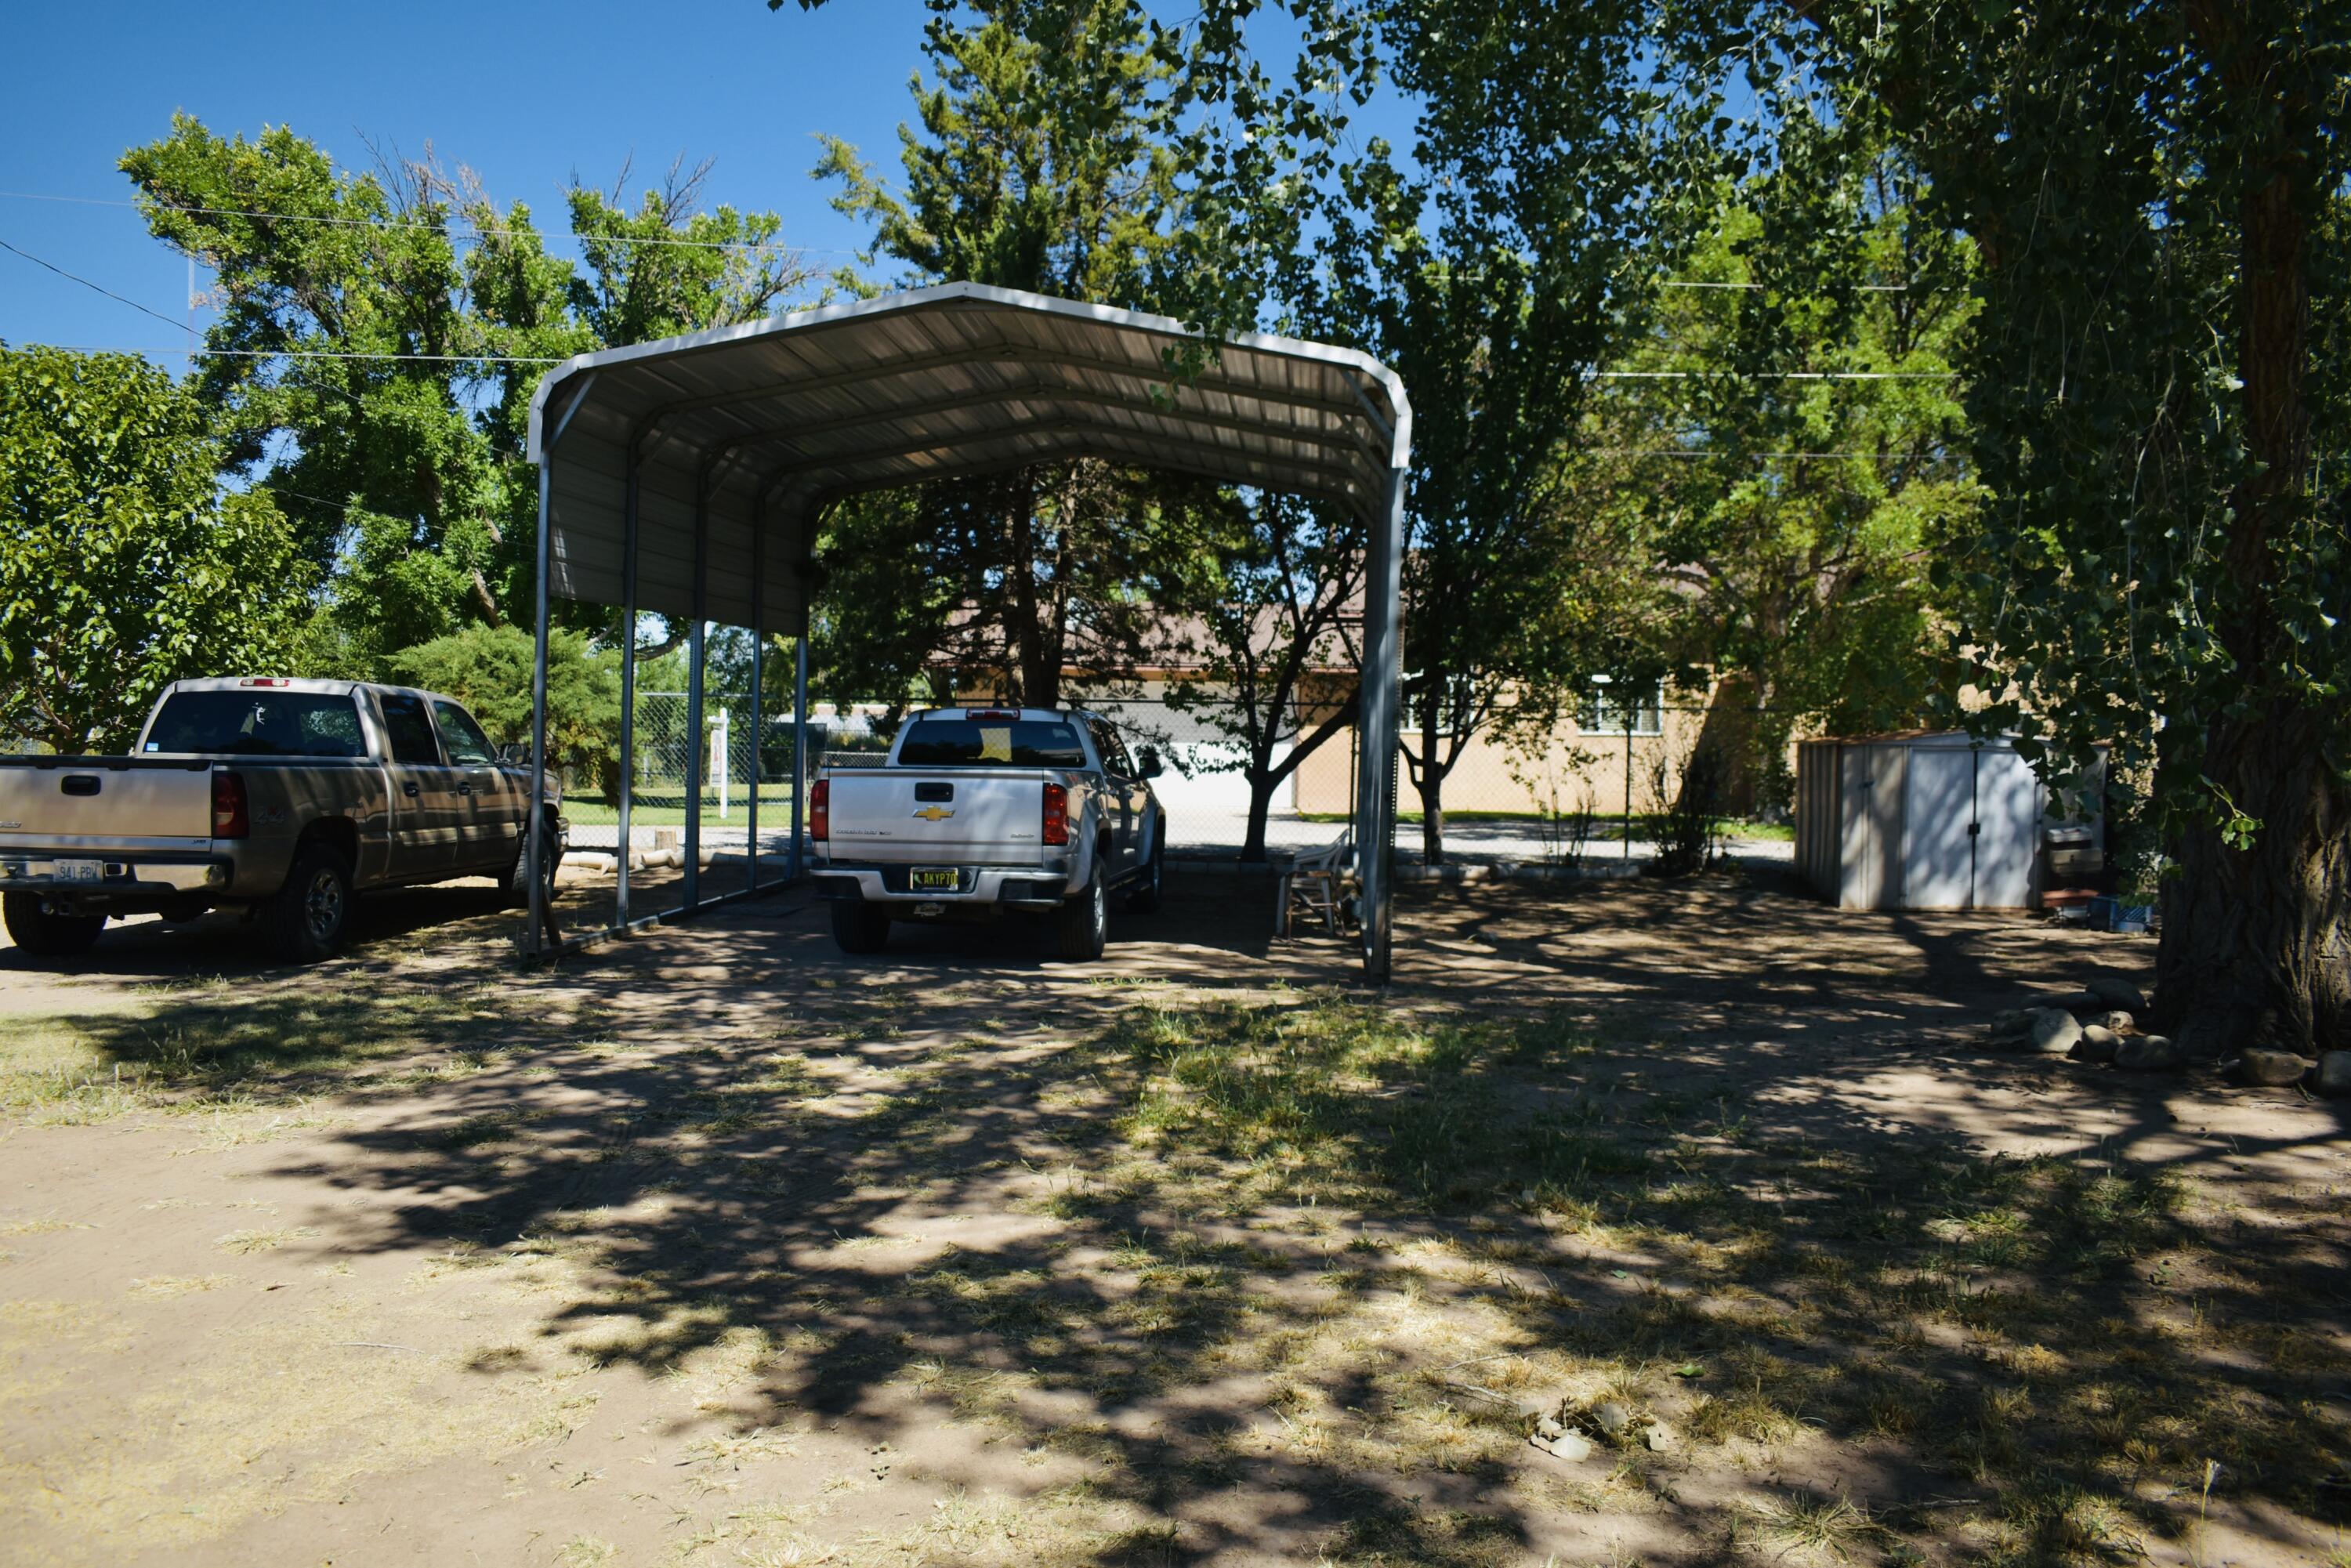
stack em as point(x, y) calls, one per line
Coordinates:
point(314, 354)
point(762, 247)
point(86, 283)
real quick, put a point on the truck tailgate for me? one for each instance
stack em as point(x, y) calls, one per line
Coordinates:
point(956, 816)
point(104, 802)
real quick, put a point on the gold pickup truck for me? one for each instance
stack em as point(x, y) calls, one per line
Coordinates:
point(279, 796)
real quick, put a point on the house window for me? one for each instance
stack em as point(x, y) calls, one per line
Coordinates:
point(1455, 700)
point(1605, 711)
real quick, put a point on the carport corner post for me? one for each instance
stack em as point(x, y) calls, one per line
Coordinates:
point(1375, 786)
point(534, 939)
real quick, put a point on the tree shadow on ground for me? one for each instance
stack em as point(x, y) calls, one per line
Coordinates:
point(1261, 1271)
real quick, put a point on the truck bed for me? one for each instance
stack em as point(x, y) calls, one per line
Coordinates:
point(949, 816)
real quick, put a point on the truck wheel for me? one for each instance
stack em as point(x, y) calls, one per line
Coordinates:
point(860, 928)
point(1081, 925)
point(518, 881)
point(306, 920)
point(1144, 898)
point(45, 935)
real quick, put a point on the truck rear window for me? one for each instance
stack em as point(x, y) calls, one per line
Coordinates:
point(991, 743)
point(258, 724)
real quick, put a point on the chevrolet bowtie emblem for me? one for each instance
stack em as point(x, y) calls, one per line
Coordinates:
point(935, 813)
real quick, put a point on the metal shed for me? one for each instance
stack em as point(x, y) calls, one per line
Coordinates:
point(1922, 821)
point(689, 476)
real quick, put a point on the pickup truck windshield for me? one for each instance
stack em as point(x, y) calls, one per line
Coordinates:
point(258, 724)
point(991, 743)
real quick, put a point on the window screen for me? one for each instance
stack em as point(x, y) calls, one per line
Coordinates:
point(461, 736)
point(991, 743)
point(258, 724)
point(411, 730)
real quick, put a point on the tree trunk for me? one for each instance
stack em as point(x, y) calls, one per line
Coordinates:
point(2254, 938)
point(1730, 729)
point(1431, 787)
point(1028, 662)
point(1262, 783)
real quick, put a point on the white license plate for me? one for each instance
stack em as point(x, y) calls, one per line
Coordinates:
point(82, 871)
point(934, 879)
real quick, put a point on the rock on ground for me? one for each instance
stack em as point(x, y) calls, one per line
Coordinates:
point(2054, 1031)
point(2270, 1068)
point(2117, 993)
point(2334, 1072)
point(2098, 1044)
point(2148, 1053)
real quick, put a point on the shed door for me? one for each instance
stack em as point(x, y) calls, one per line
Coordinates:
point(1937, 862)
point(2008, 805)
point(1870, 831)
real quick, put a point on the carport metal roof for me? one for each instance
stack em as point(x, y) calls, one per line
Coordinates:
point(706, 461)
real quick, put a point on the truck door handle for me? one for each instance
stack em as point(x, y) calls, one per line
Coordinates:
point(409, 790)
point(465, 788)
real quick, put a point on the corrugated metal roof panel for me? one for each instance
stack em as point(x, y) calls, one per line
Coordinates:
point(769, 420)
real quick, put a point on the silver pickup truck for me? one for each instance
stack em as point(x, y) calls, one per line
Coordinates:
point(978, 810)
point(279, 796)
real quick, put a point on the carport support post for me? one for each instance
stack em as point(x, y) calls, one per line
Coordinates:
point(800, 745)
point(1375, 799)
point(758, 651)
point(694, 738)
point(536, 843)
point(628, 681)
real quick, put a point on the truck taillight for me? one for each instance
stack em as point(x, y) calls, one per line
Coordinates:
point(1057, 814)
point(821, 810)
point(229, 819)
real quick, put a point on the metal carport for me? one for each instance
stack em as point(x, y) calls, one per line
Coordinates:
point(687, 477)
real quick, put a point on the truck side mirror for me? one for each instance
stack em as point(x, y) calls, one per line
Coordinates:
point(1151, 766)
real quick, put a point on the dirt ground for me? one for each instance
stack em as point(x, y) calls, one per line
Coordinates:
point(712, 1247)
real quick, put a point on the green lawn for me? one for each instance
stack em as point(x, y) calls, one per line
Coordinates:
point(666, 808)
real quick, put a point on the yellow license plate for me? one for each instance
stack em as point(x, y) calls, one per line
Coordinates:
point(935, 879)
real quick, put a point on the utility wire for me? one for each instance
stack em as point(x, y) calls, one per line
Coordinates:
point(314, 354)
point(86, 283)
point(759, 245)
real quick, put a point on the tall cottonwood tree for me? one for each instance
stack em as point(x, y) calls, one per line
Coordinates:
point(1045, 157)
point(2155, 377)
point(379, 337)
point(1812, 454)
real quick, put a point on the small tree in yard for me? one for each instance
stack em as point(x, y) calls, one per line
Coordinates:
point(488, 668)
point(1291, 593)
point(123, 566)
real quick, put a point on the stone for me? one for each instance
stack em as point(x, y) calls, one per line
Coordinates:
point(2270, 1068)
point(1660, 1437)
point(2097, 1044)
point(2014, 1023)
point(2334, 1072)
point(2054, 1031)
point(2076, 1002)
point(1566, 1446)
point(2148, 1053)
point(2117, 993)
point(2119, 1021)
point(1613, 1419)
point(1548, 1426)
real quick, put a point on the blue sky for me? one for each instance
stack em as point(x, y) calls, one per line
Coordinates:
point(524, 94)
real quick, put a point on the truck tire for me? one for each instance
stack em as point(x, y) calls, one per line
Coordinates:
point(304, 922)
point(42, 935)
point(1143, 897)
point(860, 928)
point(518, 881)
point(1081, 925)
